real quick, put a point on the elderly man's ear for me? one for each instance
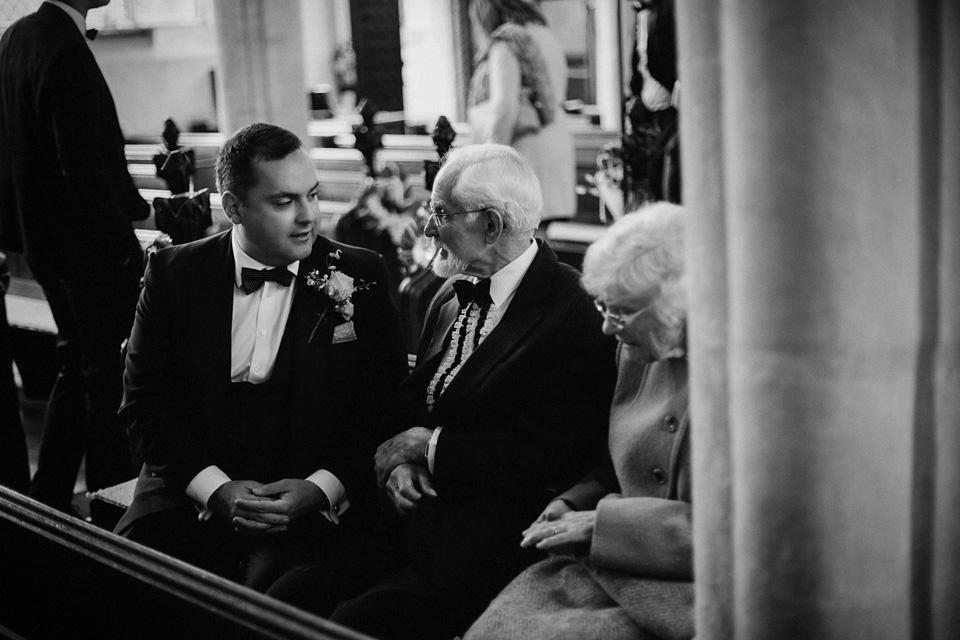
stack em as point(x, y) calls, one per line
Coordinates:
point(231, 206)
point(494, 225)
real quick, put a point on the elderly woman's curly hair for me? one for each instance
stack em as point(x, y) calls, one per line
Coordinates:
point(642, 252)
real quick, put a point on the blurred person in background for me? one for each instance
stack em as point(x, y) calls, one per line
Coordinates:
point(518, 86)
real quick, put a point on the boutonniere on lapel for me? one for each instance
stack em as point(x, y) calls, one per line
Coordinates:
point(338, 288)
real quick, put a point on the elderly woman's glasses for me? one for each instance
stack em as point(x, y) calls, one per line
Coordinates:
point(616, 318)
point(439, 215)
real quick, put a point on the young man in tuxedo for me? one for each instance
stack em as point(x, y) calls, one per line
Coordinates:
point(66, 203)
point(261, 369)
point(508, 403)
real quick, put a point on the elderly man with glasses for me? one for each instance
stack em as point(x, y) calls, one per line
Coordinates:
point(508, 403)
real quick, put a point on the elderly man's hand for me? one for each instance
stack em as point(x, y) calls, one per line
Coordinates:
point(271, 508)
point(408, 446)
point(408, 485)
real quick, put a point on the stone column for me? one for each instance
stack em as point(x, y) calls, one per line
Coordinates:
point(820, 152)
point(261, 64)
point(609, 65)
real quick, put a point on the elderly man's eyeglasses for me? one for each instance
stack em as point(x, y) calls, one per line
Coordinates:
point(616, 318)
point(439, 215)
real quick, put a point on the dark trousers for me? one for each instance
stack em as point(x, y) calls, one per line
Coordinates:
point(93, 306)
point(453, 573)
point(258, 561)
point(14, 462)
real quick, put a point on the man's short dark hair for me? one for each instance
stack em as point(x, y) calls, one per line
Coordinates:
point(254, 143)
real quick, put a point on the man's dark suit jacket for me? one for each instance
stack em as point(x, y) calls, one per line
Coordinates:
point(524, 418)
point(64, 185)
point(178, 376)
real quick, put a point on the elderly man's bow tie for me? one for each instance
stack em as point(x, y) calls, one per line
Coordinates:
point(92, 34)
point(253, 279)
point(468, 292)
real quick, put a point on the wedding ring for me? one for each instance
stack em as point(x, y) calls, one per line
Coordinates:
point(556, 531)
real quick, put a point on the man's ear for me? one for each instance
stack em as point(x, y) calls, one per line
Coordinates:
point(231, 206)
point(493, 225)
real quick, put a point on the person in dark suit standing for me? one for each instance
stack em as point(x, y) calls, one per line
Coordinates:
point(509, 401)
point(261, 372)
point(14, 459)
point(66, 204)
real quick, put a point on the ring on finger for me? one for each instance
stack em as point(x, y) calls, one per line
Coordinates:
point(556, 530)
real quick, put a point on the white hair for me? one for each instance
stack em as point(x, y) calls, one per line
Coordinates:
point(493, 176)
point(641, 252)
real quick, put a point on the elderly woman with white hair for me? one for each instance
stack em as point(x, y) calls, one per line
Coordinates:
point(621, 558)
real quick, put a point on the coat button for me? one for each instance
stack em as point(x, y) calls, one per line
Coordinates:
point(660, 475)
point(670, 423)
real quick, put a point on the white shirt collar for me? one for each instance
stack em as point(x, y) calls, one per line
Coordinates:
point(75, 15)
point(242, 259)
point(504, 282)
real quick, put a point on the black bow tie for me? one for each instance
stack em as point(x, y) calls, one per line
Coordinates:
point(468, 292)
point(253, 279)
point(91, 34)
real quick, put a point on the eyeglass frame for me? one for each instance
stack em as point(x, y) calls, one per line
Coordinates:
point(432, 208)
point(618, 320)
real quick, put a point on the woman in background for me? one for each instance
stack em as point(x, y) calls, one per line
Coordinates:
point(518, 86)
point(621, 563)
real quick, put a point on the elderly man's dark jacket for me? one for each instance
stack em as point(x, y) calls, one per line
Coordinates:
point(524, 418)
point(177, 384)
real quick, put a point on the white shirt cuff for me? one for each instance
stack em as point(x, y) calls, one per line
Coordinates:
point(432, 448)
point(336, 494)
point(202, 487)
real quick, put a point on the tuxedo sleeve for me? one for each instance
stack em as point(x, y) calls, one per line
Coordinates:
point(162, 428)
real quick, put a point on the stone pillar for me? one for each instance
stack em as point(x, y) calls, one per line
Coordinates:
point(820, 152)
point(261, 64)
point(609, 66)
point(703, 171)
point(945, 233)
point(319, 32)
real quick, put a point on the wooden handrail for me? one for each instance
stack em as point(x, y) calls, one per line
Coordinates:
point(196, 602)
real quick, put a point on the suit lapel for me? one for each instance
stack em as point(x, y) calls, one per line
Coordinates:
point(448, 315)
point(308, 306)
point(212, 313)
point(523, 316)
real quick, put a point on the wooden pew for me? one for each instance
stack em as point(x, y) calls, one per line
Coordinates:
point(205, 147)
point(64, 578)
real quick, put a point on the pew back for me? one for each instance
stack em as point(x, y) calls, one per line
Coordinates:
point(64, 578)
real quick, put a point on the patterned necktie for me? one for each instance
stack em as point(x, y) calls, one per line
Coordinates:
point(468, 292)
point(465, 335)
point(253, 279)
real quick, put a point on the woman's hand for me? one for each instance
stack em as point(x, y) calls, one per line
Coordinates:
point(562, 535)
